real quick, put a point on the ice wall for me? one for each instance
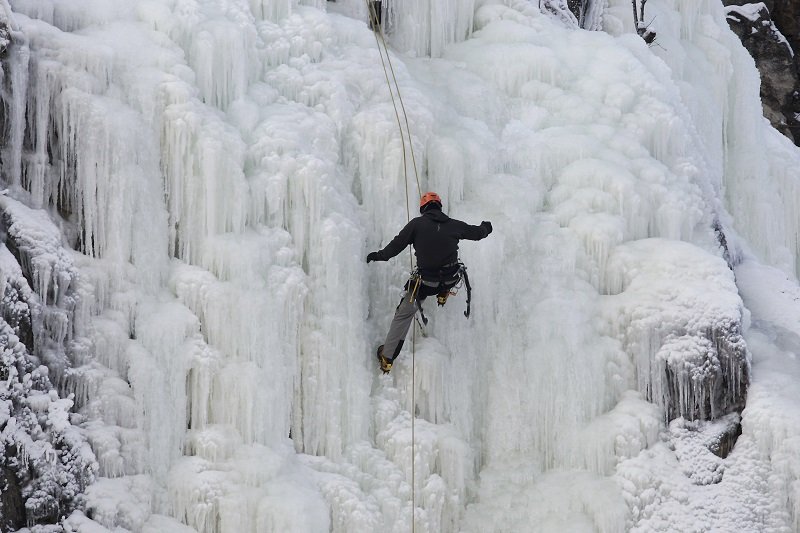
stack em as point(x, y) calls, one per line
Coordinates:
point(130, 143)
point(427, 27)
point(752, 169)
point(416, 27)
point(770, 419)
point(224, 166)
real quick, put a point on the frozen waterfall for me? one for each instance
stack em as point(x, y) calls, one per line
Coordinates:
point(195, 185)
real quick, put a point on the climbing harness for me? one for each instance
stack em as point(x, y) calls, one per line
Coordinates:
point(452, 277)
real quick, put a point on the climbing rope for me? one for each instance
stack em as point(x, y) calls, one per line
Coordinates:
point(380, 41)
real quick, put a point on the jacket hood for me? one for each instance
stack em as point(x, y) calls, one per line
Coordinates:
point(436, 215)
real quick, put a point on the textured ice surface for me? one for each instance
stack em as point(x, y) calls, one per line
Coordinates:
point(227, 164)
point(679, 317)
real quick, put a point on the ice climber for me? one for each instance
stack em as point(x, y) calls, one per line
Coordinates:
point(435, 238)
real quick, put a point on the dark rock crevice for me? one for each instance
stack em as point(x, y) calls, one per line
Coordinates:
point(12, 506)
point(710, 383)
point(771, 34)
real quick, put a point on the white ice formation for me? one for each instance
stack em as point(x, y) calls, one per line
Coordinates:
point(222, 168)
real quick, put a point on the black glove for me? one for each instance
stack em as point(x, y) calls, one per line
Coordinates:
point(373, 256)
point(487, 226)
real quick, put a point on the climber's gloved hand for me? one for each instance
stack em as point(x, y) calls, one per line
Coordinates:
point(487, 226)
point(373, 256)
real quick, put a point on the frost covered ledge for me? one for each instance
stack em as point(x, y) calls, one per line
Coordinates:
point(677, 311)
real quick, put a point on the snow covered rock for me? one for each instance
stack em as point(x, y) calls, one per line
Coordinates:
point(701, 446)
point(586, 14)
point(50, 283)
point(677, 311)
point(6, 25)
point(563, 10)
point(775, 59)
point(5, 31)
point(46, 462)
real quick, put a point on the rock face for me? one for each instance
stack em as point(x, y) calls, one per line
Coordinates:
point(771, 33)
point(706, 375)
point(562, 10)
point(702, 446)
point(577, 7)
point(786, 14)
point(588, 13)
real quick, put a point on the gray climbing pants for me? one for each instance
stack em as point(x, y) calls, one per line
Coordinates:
point(403, 317)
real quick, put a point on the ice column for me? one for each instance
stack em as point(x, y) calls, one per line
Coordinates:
point(426, 27)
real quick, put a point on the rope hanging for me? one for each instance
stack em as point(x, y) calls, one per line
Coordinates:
point(380, 40)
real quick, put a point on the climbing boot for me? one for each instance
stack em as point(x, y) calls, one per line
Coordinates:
point(386, 364)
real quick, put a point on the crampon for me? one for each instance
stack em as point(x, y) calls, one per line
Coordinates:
point(386, 364)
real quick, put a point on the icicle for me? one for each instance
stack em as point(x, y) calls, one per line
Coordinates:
point(426, 26)
point(273, 10)
point(18, 81)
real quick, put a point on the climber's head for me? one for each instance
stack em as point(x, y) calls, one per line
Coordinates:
point(429, 200)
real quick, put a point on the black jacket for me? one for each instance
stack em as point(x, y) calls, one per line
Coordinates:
point(435, 238)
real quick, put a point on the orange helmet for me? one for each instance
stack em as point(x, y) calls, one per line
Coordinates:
point(429, 197)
